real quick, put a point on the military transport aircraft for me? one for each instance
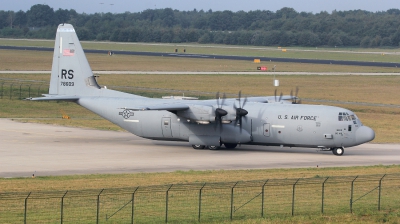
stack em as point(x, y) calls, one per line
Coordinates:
point(203, 123)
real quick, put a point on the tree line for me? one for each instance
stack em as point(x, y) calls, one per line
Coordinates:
point(285, 27)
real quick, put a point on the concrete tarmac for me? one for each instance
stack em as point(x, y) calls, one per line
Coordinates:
point(27, 148)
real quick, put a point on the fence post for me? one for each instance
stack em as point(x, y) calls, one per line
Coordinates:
point(201, 189)
point(133, 204)
point(323, 195)
point(98, 206)
point(11, 89)
point(380, 191)
point(166, 204)
point(2, 89)
point(29, 96)
point(294, 187)
point(232, 199)
point(262, 199)
point(62, 207)
point(25, 210)
point(351, 197)
point(38, 92)
point(20, 90)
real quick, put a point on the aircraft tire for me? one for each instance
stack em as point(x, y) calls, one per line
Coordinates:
point(213, 147)
point(230, 145)
point(198, 146)
point(338, 151)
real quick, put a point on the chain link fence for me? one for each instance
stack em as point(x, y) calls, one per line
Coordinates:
point(202, 202)
point(21, 89)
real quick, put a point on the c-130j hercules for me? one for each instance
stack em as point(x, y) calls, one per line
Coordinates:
point(203, 123)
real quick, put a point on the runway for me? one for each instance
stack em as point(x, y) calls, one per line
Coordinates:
point(27, 148)
point(226, 57)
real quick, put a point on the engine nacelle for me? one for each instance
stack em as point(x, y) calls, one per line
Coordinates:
point(198, 113)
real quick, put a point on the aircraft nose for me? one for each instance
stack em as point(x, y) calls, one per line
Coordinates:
point(364, 134)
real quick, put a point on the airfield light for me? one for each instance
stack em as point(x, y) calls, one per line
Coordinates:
point(276, 81)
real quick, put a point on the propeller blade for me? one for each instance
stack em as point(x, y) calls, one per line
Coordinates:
point(240, 112)
point(297, 92)
point(295, 98)
point(280, 97)
point(223, 100)
point(240, 98)
point(244, 102)
point(240, 125)
point(217, 97)
point(275, 95)
point(291, 96)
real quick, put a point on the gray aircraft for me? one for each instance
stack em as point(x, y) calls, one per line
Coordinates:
point(224, 121)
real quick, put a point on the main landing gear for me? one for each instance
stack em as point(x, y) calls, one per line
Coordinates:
point(337, 151)
point(214, 147)
point(198, 146)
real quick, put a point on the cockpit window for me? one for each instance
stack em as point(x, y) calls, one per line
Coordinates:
point(344, 116)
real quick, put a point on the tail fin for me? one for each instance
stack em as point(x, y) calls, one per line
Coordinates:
point(71, 74)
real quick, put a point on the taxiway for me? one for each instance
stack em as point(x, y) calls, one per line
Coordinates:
point(28, 148)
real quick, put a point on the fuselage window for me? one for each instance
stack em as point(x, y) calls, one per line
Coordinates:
point(349, 128)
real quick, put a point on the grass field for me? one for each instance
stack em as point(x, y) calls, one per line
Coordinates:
point(80, 193)
point(98, 181)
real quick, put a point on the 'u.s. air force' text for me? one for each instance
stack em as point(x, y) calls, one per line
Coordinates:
point(68, 75)
point(298, 117)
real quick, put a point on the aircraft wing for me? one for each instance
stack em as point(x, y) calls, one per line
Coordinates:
point(269, 99)
point(166, 106)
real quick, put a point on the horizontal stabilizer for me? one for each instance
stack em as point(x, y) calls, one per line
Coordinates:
point(54, 98)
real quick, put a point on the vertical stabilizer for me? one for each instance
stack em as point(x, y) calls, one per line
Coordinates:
point(71, 73)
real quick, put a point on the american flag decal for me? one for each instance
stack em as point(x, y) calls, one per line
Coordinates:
point(68, 52)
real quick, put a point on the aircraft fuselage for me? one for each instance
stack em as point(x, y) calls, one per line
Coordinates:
point(276, 124)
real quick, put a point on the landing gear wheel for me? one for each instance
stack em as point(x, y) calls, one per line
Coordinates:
point(338, 151)
point(230, 145)
point(213, 147)
point(198, 146)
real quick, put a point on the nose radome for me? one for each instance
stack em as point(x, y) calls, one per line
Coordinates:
point(364, 134)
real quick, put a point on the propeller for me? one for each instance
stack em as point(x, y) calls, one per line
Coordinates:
point(280, 96)
point(240, 112)
point(294, 98)
point(219, 112)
